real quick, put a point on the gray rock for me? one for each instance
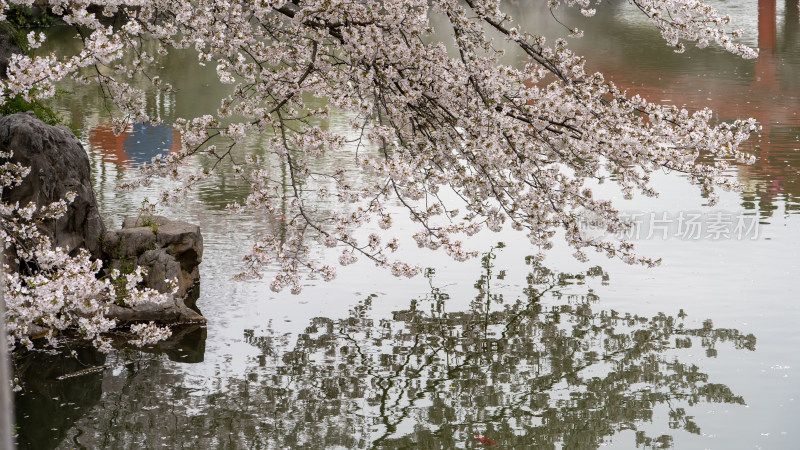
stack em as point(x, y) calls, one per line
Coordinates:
point(169, 250)
point(59, 165)
point(161, 267)
point(172, 312)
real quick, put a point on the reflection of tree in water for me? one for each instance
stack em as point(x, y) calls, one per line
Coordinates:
point(45, 391)
point(59, 390)
point(521, 373)
point(545, 370)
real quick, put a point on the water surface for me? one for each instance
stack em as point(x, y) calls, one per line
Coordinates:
point(698, 353)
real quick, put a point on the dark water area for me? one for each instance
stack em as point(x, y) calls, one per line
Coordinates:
point(498, 352)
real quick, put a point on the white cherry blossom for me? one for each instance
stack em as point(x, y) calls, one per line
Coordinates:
point(517, 146)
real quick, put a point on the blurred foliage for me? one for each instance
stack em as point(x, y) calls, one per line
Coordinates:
point(42, 111)
point(22, 16)
point(18, 104)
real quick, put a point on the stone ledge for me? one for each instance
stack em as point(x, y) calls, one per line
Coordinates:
point(170, 250)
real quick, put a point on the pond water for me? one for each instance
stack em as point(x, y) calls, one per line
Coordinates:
point(701, 352)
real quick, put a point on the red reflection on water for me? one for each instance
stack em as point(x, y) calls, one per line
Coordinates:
point(768, 93)
point(767, 24)
point(111, 146)
point(134, 146)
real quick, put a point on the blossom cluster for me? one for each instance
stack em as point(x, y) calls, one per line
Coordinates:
point(47, 290)
point(517, 146)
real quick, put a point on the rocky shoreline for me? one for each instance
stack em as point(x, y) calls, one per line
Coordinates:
point(169, 250)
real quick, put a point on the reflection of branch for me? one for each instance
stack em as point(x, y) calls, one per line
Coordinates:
point(425, 354)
